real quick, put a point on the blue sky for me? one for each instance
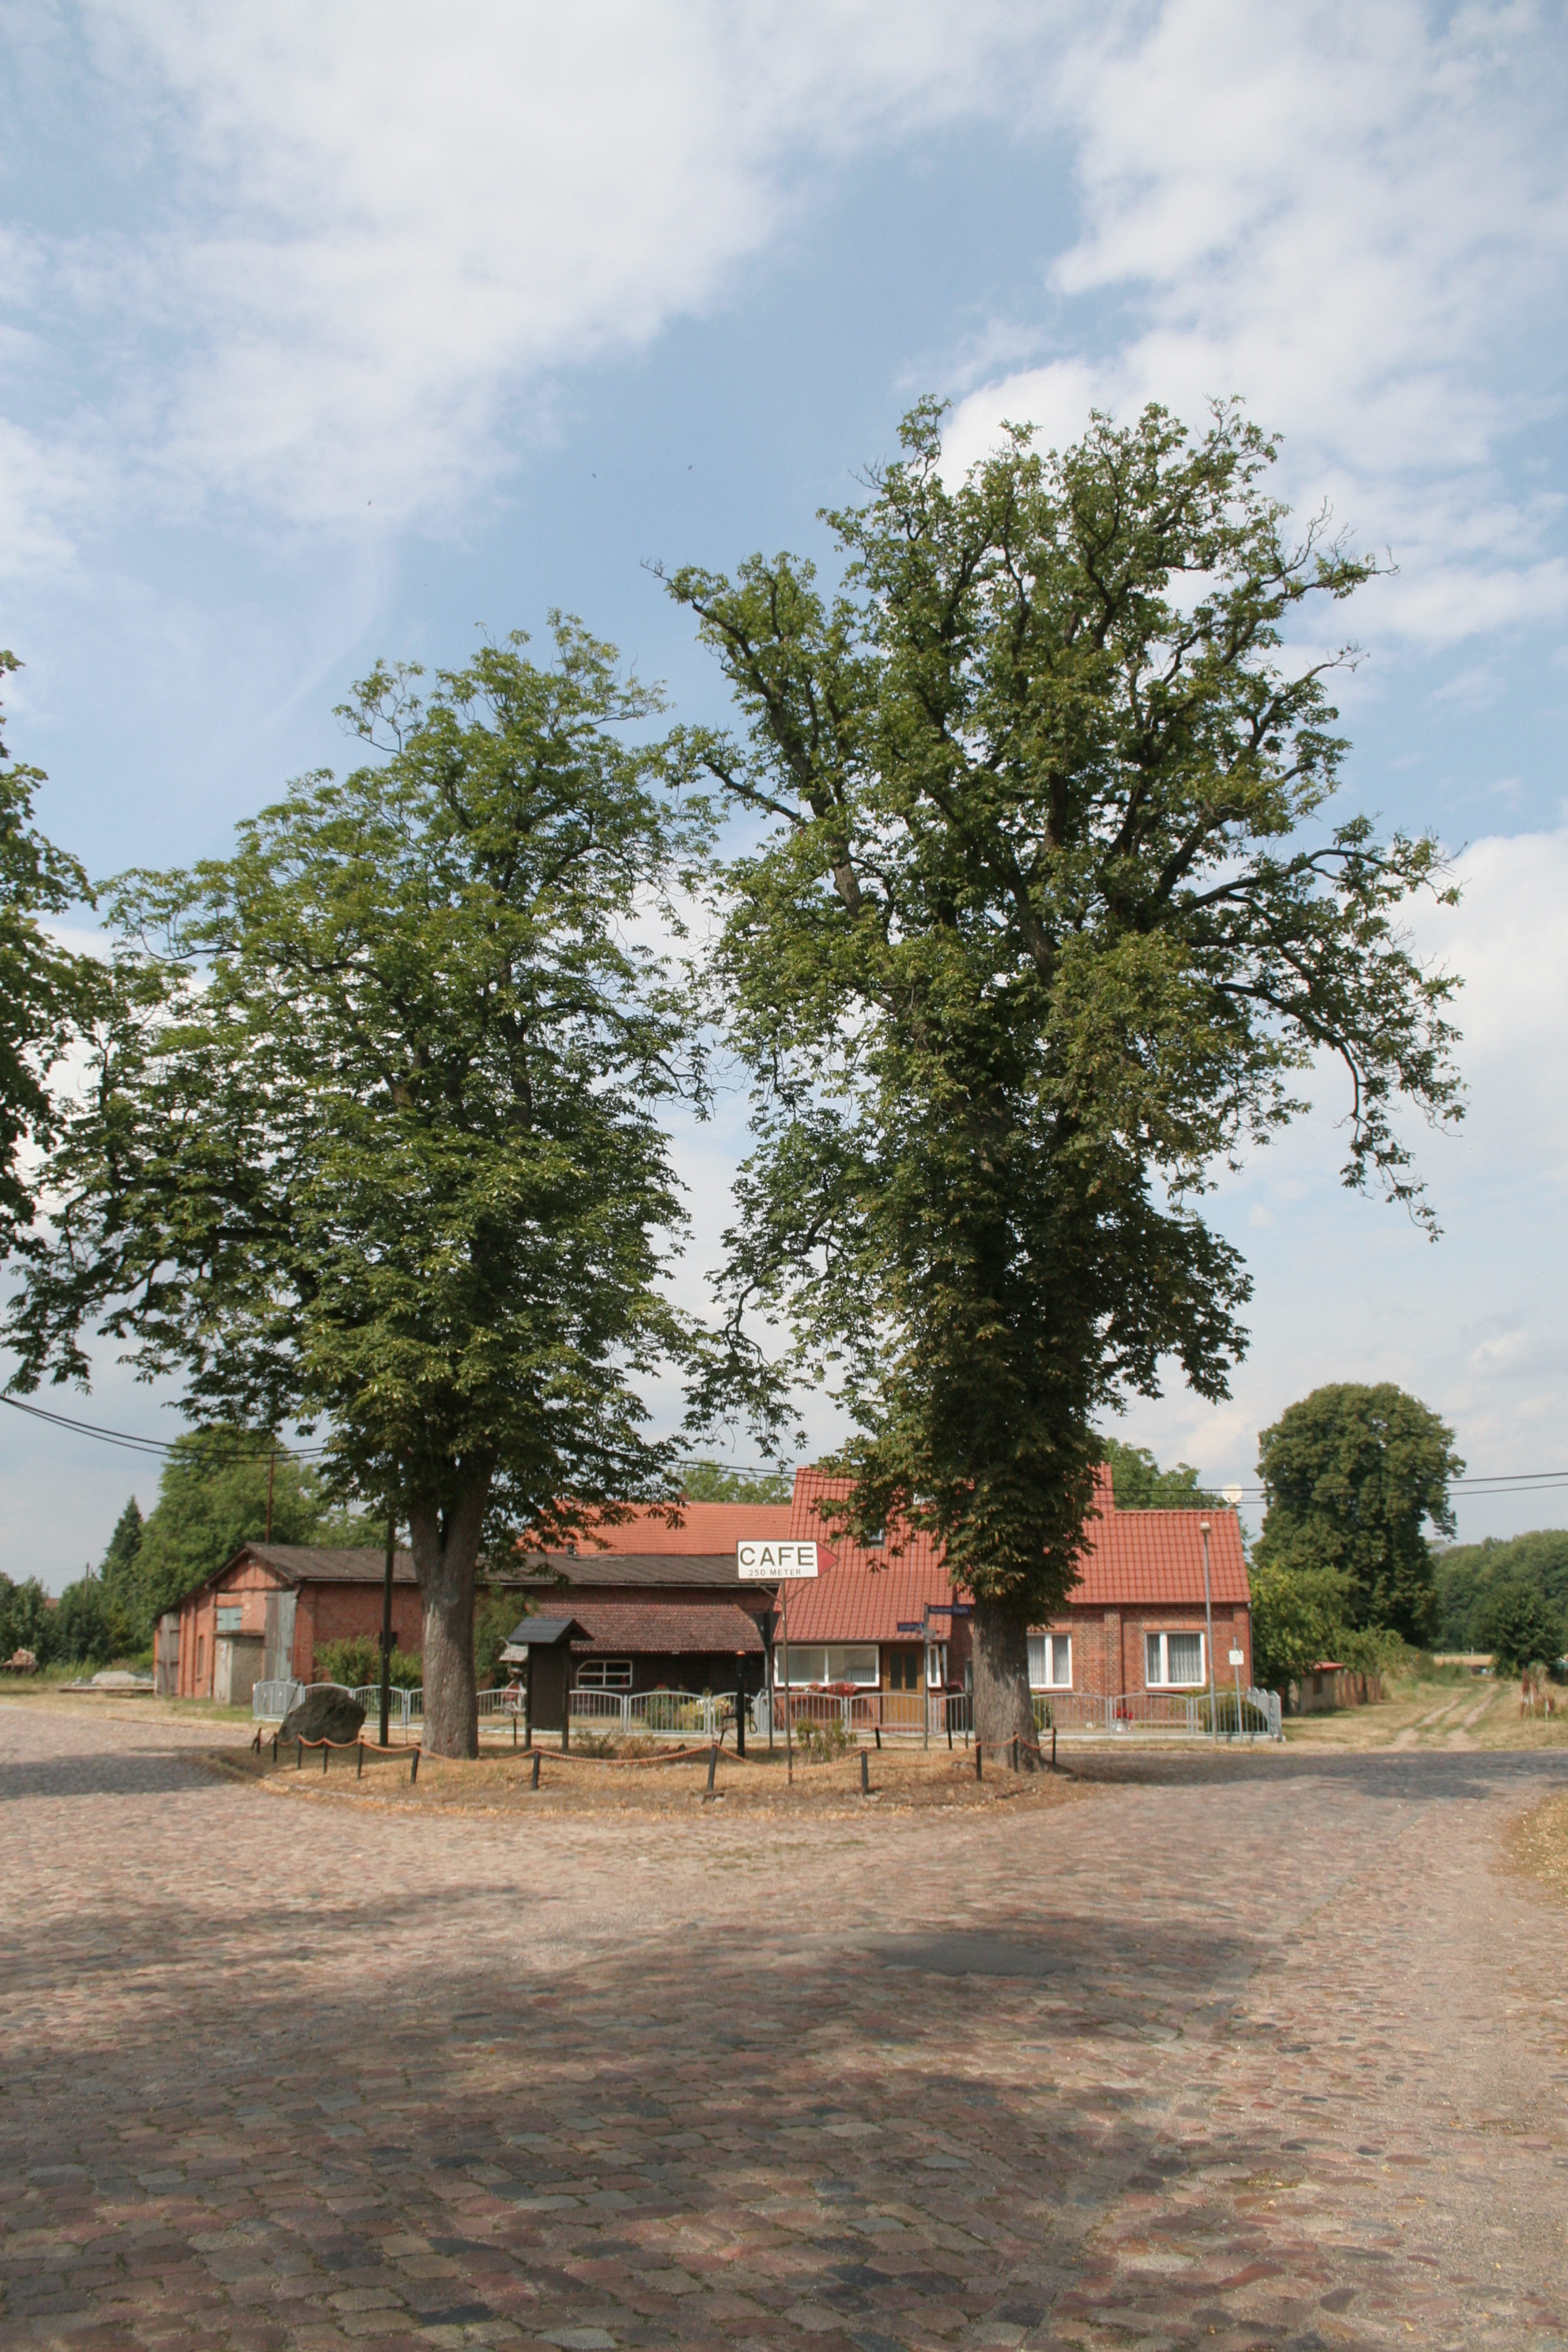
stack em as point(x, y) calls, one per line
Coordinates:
point(331, 332)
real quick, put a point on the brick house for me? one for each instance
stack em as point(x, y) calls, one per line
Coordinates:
point(663, 1608)
point(261, 1616)
point(1133, 1622)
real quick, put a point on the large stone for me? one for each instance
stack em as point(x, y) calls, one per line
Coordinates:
point(325, 1714)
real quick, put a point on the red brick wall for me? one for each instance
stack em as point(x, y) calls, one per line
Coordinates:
point(342, 1613)
point(1107, 1655)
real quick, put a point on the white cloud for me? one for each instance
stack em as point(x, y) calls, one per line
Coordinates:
point(1357, 218)
point(390, 224)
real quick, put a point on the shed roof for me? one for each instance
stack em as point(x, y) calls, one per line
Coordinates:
point(543, 1633)
point(323, 1563)
point(663, 1568)
point(664, 1629)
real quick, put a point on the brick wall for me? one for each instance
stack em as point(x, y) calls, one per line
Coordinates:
point(1108, 1652)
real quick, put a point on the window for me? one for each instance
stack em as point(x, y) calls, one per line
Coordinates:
point(604, 1673)
point(1174, 1658)
point(230, 1617)
point(903, 1670)
point(837, 1662)
point(1050, 1662)
point(936, 1666)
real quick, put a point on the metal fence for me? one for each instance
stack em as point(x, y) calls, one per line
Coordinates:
point(1166, 1715)
point(704, 1712)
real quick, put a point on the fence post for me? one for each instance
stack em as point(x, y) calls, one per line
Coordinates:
point(326, 1753)
point(534, 1778)
point(712, 1765)
point(978, 1773)
point(299, 1756)
point(866, 1772)
point(359, 1760)
point(414, 1769)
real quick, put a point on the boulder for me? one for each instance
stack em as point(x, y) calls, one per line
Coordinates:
point(325, 1713)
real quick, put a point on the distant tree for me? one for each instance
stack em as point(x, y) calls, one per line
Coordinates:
point(1039, 920)
point(1467, 1573)
point(372, 1132)
point(92, 1625)
point(212, 1497)
point(709, 1482)
point(1518, 1626)
point(119, 1568)
point(1140, 1484)
point(1352, 1476)
point(28, 1620)
point(1297, 1617)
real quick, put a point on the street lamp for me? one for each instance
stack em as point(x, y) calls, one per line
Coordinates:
point(1208, 1621)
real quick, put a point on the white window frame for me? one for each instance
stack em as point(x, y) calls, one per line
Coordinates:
point(936, 1666)
point(604, 1673)
point(1050, 1652)
point(818, 1664)
point(1161, 1653)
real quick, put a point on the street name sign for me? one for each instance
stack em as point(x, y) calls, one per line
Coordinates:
point(767, 1563)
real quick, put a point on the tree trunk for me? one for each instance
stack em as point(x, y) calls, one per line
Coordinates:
point(445, 1546)
point(1004, 1710)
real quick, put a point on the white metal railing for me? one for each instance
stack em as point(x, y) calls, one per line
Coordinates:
point(1182, 1714)
point(270, 1701)
point(704, 1712)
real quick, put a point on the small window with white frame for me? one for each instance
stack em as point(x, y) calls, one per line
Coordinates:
point(604, 1673)
point(1173, 1661)
point(1050, 1662)
point(230, 1616)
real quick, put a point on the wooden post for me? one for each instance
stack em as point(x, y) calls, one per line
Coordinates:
point(534, 1778)
point(978, 1773)
point(712, 1765)
point(359, 1760)
point(864, 1774)
point(741, 1703)
point(414, 1769)
point(528, 1702)
point(387, 1625)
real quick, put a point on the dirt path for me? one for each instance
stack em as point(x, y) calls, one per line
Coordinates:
point(1236, 2051)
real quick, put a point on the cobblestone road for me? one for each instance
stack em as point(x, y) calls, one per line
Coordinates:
point(1264, 2054)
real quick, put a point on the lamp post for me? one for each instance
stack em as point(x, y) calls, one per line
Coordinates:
point(1208, 1621)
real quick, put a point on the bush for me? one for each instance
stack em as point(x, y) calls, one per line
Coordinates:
point(27, 1622)
point(821, 1742)
point(357, 1662)
point(1518, 1624)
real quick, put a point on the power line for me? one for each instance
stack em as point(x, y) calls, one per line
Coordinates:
point(158, 1447)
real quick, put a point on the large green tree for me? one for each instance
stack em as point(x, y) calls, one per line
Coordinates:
point(1352, 1476)
point(45, 992)
point(372, 1137)
point(220, 1488)
point(1043, 920)
point(1468, 1572)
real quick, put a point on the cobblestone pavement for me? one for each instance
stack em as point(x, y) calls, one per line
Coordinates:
point(1267, 2052)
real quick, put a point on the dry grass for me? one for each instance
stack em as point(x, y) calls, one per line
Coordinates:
point(576, 1784)
point(1474, 1713)
point(1536, 1845)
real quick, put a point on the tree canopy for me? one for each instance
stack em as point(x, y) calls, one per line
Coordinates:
point(1044, 917)
point(371, 1135)
point(44, 991)
point(1139, 1483)
point(213, 1498)
point(711, 1482)
point(1466, 1574)
point(1518, 1625)
point(1351, 1476)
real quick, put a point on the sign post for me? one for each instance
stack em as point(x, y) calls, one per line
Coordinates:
point(1236, 1662)
point(780, 1564)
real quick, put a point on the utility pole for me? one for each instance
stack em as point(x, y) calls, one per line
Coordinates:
point(386, 1624)
point(271, 1470)
point(1208, 1621)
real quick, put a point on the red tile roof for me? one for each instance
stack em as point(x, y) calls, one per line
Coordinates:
point(705, 1527)
point(664, 1627)
point(1135, 1559)
point(1146, 1559)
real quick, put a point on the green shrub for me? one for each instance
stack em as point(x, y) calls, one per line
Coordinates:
point(821, 1742)
point(357, 1662)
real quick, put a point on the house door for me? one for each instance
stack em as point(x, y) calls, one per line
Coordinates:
point(277, 1645)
